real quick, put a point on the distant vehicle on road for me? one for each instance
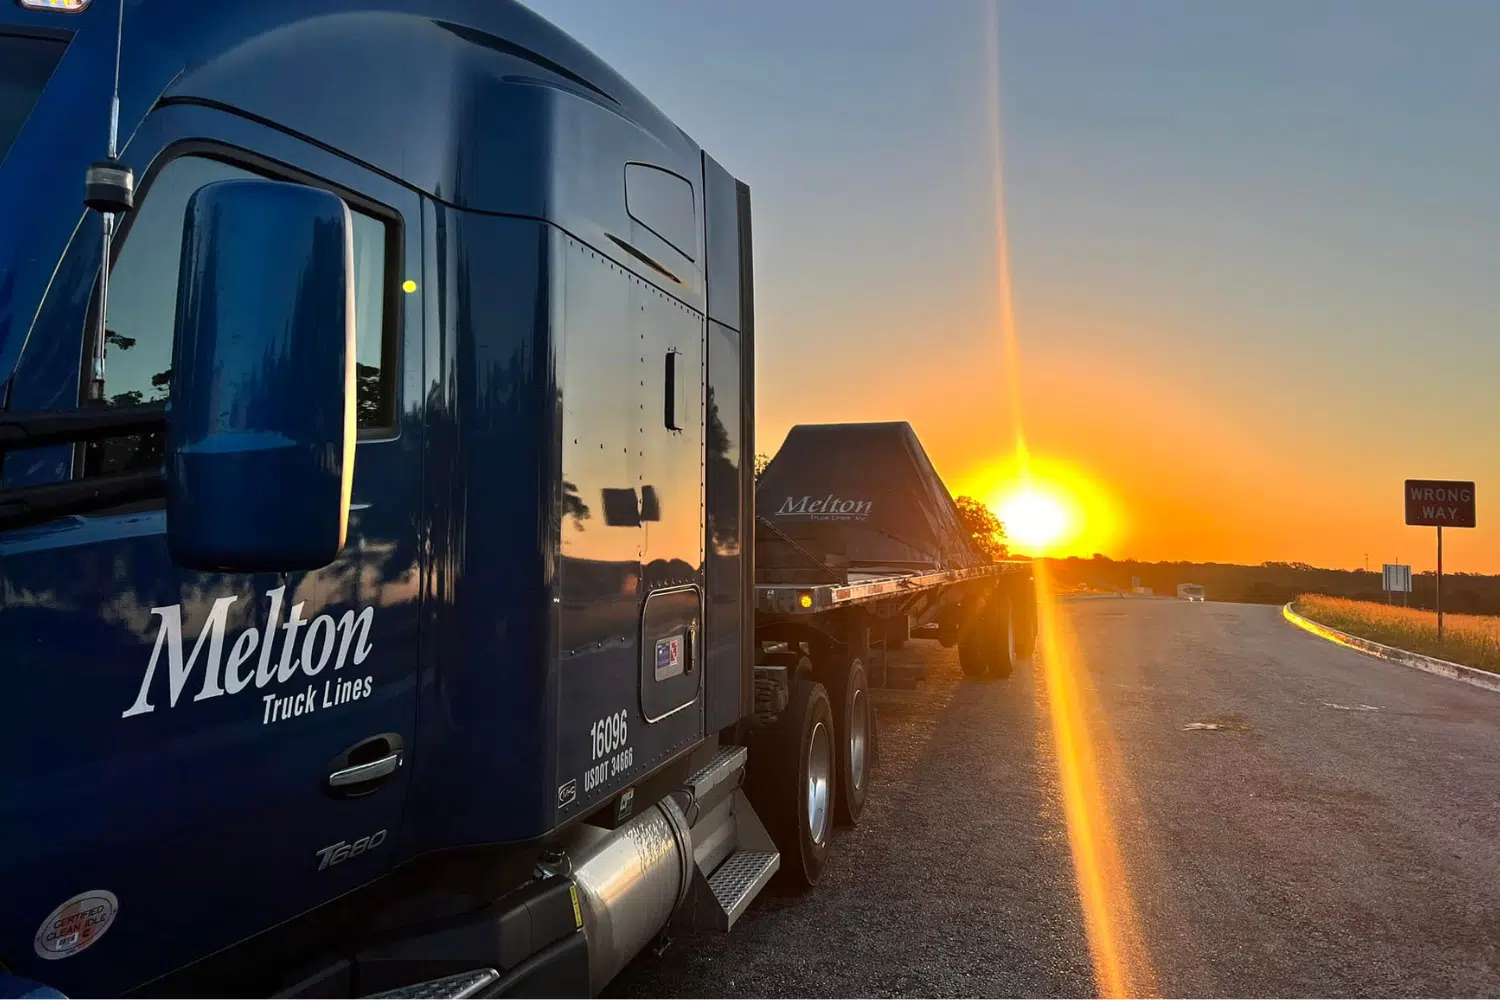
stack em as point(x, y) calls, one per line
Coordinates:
point(1190, 591)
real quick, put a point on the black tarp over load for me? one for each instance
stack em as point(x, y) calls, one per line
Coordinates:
point(855, 497)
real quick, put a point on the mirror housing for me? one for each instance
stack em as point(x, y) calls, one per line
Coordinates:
point(261, 424)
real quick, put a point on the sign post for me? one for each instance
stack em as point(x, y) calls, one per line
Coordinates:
point(1440, 503)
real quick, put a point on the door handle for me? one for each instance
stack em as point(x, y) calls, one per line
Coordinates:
point(361, 773)
point(671, 400)
point(365, 766)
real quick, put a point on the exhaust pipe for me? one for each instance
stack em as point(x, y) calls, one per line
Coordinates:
point(630, 881)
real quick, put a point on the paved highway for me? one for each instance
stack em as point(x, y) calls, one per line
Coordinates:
point(1337, 834)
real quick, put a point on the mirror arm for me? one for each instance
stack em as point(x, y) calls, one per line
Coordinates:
point(37, 430)
point(28, 505)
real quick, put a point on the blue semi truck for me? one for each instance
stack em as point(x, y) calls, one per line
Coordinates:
point(380, 607)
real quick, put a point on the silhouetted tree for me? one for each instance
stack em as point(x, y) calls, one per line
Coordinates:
point(722, 481)
point(573, 505)
point(368, 387)
point(988, 532)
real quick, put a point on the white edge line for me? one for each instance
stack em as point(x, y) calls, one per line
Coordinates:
point(1432, 665)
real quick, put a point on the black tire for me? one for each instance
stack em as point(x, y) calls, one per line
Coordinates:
point(1023, 609)
point(973, 652)
point(1003, 622)
point(986, 643)
point(854, 729)
point(777, 782)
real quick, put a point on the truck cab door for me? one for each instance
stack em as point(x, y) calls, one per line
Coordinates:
point(203, 756)
point(631, 621)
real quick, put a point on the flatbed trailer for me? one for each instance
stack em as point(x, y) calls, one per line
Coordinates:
point(987, 610)
point(858, 542)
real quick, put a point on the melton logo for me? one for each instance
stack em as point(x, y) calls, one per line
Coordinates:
point(325, 642)
point(829, 508)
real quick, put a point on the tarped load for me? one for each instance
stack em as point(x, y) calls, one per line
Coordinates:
point(855, 497)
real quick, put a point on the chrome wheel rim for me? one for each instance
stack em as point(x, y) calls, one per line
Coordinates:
point(859, 737)
point(819, 775)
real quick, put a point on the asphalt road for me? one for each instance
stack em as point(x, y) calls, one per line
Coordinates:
point(1338, 834)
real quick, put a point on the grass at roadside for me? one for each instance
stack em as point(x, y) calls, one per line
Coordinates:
point(1473, 640)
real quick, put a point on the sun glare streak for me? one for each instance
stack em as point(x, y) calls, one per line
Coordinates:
point(1121, 962)
point(1004, 308)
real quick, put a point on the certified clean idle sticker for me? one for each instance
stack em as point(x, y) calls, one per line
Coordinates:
point(669, 657)
point(76, 924)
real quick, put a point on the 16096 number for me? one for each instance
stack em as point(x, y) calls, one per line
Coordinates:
point(609, 734)
point(611, 755)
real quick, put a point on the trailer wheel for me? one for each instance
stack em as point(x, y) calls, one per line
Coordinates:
point(987, 643)
point(1024, 614)
point(1003, 622)
point(854, 718)
point(792, 781)
point(972, 655)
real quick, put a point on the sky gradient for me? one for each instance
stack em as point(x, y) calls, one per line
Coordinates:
point(1253, 248)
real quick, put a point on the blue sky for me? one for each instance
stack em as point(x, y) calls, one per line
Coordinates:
point(1254, 246)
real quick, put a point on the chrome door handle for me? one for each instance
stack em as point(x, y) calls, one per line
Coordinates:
point(364, 767)
point(359, 774)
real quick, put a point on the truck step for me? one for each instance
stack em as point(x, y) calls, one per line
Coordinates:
point(465, 984)
point(725, 766)
point(739, 880)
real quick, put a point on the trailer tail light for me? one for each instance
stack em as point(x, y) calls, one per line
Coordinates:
point(65, 6)
point(804, 599)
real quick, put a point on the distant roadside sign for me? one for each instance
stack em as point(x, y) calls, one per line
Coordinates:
point(1396, 578)
point(1442, 503)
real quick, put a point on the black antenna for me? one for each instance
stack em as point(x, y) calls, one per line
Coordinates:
point(109, 189)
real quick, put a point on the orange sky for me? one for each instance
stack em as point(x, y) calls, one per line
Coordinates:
point(1181, 398)
point(1253, 255)
point(1183, 472)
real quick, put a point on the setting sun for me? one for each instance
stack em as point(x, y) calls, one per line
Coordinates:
point(1033, 517)
point(1047, 506)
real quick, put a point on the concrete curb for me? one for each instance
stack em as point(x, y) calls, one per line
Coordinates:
point(1453, 671)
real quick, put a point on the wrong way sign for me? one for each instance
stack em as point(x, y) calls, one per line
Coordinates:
point(1443, 503)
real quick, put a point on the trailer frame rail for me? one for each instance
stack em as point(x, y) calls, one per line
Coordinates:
point(810, 599)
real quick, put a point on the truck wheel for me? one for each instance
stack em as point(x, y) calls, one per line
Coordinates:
point(973, 657)
point(792, 781)
point(1024, 613)
point(854, 727)
point(986, 644)
point(1004, 624)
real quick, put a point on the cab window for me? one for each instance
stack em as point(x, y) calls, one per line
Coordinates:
point(143, 300)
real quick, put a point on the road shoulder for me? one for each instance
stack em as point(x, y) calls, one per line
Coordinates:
point(1417, 661)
